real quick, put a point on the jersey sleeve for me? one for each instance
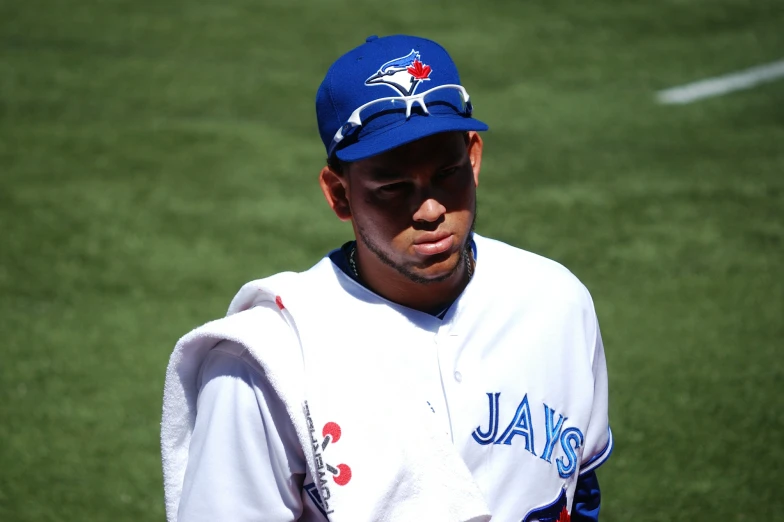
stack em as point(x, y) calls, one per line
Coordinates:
point(587, 498)
point(598, 440)
point(243, 462)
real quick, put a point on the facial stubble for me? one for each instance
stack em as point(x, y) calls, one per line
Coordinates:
point(403, 268)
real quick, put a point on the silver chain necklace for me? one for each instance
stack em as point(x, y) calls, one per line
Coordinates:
point(467, 259)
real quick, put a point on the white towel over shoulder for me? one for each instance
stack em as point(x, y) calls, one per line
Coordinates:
point(372, 447)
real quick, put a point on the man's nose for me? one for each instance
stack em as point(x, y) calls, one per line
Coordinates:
point(430, 210)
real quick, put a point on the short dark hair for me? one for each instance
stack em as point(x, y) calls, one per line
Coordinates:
point(337, 166)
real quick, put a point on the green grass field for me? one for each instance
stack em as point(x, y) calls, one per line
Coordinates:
point(156, 155)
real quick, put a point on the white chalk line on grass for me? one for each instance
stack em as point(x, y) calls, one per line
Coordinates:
point(722, 84)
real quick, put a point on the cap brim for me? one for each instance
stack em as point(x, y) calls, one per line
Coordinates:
point(416, 128)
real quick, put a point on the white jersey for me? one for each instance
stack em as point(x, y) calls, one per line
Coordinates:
point(513, 377)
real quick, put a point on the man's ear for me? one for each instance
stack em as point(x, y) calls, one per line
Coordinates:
point(474, 146)
point(335, 189)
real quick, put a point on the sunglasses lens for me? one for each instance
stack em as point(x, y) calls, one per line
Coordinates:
point(446, 102)
point(381, 107)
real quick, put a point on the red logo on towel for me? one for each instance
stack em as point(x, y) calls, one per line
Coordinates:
point(341, 473)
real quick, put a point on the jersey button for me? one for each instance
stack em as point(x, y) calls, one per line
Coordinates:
point(458, 376)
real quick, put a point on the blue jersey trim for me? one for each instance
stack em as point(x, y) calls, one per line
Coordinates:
point(548, 511)
point(339, 256)
point(601, 457)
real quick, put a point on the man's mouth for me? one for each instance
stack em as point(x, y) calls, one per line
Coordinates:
point(434, 243)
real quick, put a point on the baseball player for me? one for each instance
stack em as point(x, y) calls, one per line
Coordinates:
point(418, 372)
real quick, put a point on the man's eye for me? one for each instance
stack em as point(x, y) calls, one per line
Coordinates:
point(448, 172)
point(392, 188)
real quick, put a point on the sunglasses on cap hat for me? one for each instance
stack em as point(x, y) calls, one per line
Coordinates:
point(383, 104)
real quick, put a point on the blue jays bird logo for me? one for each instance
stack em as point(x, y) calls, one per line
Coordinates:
point(403, 74)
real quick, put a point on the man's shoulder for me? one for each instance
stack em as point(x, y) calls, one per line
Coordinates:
point(256, 306)
point(245, 327)
point(276, 287)
point(525, 271)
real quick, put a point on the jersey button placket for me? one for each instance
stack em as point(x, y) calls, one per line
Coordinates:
point(451, 377)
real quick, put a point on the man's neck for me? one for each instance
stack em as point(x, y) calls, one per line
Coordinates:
point(389, 283)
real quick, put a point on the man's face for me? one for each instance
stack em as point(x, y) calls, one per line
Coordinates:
point(414, 207)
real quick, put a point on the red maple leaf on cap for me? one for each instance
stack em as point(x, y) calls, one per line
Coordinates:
point(419, 70)
point(564, 516)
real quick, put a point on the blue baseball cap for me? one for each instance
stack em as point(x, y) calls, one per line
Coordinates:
point(388, 92)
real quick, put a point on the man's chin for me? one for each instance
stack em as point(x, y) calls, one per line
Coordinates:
point(436, 269)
